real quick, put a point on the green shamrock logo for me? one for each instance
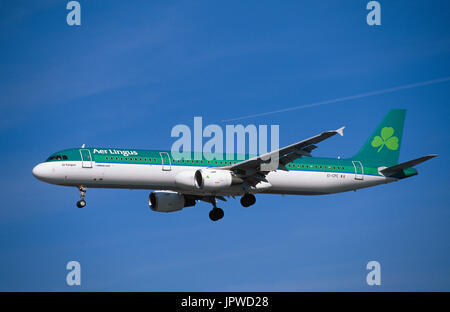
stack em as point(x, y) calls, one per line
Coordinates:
point(387, 139)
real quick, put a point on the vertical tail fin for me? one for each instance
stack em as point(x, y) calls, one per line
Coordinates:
point(383, 145)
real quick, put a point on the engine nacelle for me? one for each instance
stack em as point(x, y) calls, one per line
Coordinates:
point(211, 180)
point(168, 201)
point(186, 180)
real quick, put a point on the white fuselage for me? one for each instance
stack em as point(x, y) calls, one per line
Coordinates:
point(163, 177)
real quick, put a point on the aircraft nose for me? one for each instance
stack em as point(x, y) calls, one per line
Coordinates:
point(39, 171)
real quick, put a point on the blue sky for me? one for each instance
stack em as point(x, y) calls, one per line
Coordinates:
point(132, 71)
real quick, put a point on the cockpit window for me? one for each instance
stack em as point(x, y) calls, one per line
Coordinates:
point(58, 157)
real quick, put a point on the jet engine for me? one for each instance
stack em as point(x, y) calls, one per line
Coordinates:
point(168, 201)
point(186, 180)
point(211, 180)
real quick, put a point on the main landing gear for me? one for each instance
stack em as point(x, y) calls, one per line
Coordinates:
point(81, 203)
point(216, 213)
point(248, 199)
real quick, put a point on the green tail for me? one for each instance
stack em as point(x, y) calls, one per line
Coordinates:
point(383, 145)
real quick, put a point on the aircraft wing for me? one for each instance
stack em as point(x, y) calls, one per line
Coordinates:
point(255, 169)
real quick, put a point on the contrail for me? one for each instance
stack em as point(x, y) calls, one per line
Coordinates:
point(346, 98)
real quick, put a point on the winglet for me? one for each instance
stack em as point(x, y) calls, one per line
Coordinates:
point(340, 131)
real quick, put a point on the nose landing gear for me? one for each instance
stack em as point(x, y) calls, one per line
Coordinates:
point(81, 203)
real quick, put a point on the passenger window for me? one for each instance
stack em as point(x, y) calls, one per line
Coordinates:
point(65, 157)
point(58, 157)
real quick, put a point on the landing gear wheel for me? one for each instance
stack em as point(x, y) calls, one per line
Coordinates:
point(247, 200)
point(81, 203)
point(216, 214)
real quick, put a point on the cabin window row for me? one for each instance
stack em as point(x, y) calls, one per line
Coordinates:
point(131, 159)
point(218, 162)
point(173, 160)
point(315, 166)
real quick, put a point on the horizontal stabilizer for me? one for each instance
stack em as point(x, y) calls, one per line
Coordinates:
point(408, 164)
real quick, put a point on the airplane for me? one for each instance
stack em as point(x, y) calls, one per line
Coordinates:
point(182, 182)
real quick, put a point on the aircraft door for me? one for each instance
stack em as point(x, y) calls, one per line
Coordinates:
point(165, 160)
point(359, 170)
point(86, 159)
